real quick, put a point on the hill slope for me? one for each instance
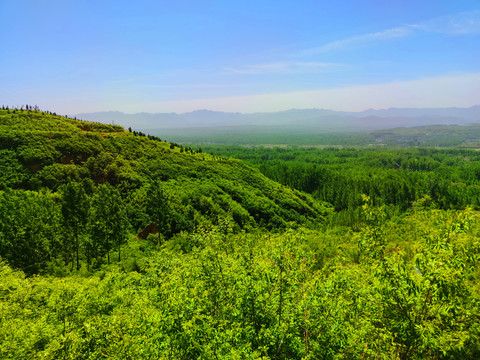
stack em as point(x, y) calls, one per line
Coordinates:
point(44, 150)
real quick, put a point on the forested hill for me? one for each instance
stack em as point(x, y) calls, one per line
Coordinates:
point(40, 150)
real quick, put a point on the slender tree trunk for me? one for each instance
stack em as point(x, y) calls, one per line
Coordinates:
point(77, 246)
point(108, 252)
point(78, 261)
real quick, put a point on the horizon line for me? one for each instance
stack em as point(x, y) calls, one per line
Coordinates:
point(273, 112)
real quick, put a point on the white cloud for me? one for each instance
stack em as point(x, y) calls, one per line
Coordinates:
point(398, 32)
point(286, 67)
point(187, 86)
point(445, 91)
point(458, 24)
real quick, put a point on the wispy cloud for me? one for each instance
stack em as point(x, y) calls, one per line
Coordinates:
point(285, 67)
point(187, 86)
point(458, 24)
point(398, 32)
point(455, 24)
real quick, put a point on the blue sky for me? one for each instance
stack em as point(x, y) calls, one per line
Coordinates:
point(246, 56)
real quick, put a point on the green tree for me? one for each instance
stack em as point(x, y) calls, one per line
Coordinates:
point(429, 310)
point(28, 229)
point(157, 206)
point(74, 209)
point(108, 221)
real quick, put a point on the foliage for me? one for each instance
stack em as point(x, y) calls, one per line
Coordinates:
point(108, 223)
point(29, 229)
point(241, 267)
point(74, 209)
point(263, 295)
point(400, 178)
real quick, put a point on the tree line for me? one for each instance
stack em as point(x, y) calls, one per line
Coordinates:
point(39, 230)
point(399, 178)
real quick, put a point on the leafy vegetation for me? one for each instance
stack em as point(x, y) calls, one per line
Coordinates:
point(398, 178)
point(118, 245)
point(101, 183)
point(462, 136)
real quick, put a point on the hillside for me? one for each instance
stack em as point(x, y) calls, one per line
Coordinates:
point(45, 151)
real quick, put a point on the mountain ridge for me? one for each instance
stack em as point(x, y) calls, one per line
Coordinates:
point(320, 119)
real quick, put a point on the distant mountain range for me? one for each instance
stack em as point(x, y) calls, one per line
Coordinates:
point(318, 120)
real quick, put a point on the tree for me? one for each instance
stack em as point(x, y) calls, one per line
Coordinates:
point(157, 205)
point(74, 209)
point(429, 308)
point(28, 229)
point(109, 222)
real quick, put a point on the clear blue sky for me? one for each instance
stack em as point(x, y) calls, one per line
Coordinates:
point(175, 55)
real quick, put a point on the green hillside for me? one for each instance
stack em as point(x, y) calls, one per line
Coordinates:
point(43, 150)
point(40, 151)
point(117, 245)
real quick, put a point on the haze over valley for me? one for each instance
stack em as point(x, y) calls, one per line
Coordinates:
point(297, 127)
point(300, 118)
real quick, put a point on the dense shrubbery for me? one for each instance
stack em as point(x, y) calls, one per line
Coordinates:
point(392, 291)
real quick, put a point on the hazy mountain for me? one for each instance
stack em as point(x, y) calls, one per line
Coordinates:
point(309, 119)
point(472, 113)
point(148, 121)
